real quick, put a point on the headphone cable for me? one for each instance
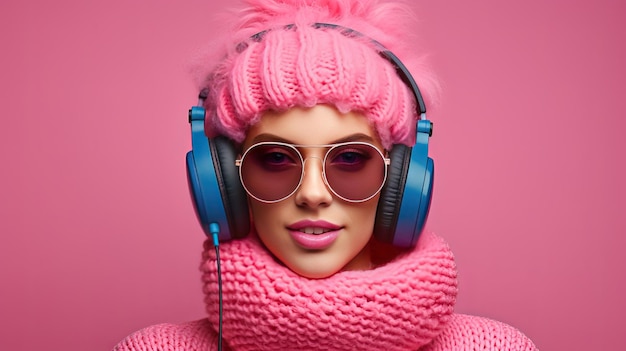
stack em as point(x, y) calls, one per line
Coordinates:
point(215, 229)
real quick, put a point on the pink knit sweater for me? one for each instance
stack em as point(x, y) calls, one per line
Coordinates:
point(406, 304)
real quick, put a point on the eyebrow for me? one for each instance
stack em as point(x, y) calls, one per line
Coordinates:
point(352, 137)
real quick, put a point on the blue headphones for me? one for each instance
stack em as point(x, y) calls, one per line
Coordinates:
point(221, 203)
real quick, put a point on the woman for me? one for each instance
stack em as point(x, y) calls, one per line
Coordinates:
point(313, 108)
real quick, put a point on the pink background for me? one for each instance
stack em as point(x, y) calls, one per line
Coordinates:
point(98, 235)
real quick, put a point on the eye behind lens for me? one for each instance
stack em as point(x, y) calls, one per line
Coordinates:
point(270, 172)
point(350, 158)
point(356, 171)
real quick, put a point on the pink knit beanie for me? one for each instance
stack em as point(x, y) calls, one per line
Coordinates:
point(276, 59)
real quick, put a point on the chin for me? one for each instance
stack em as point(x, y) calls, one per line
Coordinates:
point(313, 271)
point(324, 267)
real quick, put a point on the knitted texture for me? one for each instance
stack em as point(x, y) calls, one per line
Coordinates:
point(288, 62)
point(476, 333)
point(462, 333)
point(399, 306)
point(191, 336)
point(263, 301)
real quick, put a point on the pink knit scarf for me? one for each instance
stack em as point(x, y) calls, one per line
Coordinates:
point(399, 306)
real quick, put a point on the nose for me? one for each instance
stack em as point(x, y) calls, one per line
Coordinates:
point(313, 191)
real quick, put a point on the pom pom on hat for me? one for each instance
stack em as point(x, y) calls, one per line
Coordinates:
point(276, 59)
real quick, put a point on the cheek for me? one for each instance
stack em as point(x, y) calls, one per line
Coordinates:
point(363, 215)
point(269, 223)
point(266, 218)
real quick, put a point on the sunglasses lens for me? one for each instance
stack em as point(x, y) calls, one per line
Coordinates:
point(271, 172)
point(355, 171)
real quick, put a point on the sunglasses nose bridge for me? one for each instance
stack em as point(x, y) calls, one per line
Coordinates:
point(304, 162)
point(313, 182)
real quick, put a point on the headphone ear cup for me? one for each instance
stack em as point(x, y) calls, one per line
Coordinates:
point(233, 194)
point(391, 194)
point(427, 194)
point(405, 199)
point(215, 189)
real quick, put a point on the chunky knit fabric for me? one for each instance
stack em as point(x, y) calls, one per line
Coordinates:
point(192, 336)
point(277, 59)
point(405, 305)
point(473, 333)
point(305, 66)
point(400, 306)
point(462, 333)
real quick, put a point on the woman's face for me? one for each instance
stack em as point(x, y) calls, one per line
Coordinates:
point(288, 228)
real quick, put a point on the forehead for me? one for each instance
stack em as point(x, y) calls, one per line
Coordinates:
point(321, 124)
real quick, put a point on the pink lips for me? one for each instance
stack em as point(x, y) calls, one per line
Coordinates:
point(312, 241)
